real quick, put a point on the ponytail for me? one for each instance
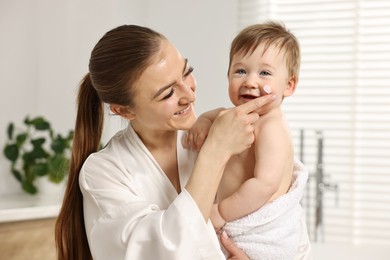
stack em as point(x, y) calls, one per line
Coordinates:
point(70, 237)
point(116, 63)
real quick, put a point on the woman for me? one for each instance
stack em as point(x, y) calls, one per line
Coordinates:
point(143, 196)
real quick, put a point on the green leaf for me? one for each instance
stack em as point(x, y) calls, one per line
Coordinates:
point(38, 142)
point(11, 151)
point(59, 144)
point(28, 159)
point(29, 187)
point(27, 120)
point(58, 166)
point(40, 123)
point(17, 175)
point(29, 176)
point(21, 138)
point(10, 131)
point(39, 169)
point(37, 152)
point(56, 177)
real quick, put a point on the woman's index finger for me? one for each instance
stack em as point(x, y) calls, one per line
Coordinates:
point(256, 103)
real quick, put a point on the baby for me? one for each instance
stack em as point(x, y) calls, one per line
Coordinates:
point(258, 201)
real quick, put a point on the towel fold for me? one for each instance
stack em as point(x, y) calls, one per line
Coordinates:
point(278, 229)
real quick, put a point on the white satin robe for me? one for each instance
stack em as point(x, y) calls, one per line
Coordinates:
point(132, 211)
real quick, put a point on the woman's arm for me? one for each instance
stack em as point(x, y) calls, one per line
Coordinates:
point(231, 133)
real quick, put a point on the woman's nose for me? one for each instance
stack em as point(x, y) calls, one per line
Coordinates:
point(188, 92)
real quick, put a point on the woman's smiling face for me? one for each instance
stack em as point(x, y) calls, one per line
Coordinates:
point(165, 93)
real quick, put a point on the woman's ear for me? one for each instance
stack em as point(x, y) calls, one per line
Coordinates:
point(123, 111)
point(291, 86)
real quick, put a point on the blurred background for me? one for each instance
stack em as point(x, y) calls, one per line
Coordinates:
point(339, 115)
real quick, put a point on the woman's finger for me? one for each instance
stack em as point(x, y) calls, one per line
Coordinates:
point(253, 117)
point(235, 253)
point(256, 103)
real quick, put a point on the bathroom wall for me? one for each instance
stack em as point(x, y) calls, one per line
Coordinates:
point(45, 47)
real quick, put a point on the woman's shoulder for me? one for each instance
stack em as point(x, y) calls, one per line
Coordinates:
point(108, 160)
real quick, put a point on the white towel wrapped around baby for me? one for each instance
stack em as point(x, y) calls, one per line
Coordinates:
point(278, 229)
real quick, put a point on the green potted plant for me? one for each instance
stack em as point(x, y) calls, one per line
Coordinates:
point(37, 151)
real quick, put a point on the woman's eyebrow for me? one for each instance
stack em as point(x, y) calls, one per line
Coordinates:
point(161, 90)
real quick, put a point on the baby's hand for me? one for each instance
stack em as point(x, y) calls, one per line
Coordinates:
point(196, 136)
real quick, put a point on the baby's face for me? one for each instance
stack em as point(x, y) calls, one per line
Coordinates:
point(259, 73)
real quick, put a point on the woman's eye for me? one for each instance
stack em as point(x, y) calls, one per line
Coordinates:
point(189, 71)
point(265, 73)
point(170, 94)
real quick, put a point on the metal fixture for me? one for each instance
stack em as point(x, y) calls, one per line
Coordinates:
point(321, 187)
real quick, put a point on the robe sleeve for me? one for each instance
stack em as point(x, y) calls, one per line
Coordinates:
point(122, 224)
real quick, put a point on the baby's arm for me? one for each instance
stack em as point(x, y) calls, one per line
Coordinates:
point(198, 133)
point(272, 152)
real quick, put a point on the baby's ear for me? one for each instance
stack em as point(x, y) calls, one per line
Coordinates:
point(291, 86)
point(123, 111)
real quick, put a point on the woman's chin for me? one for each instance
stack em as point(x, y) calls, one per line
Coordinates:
point(188, 123)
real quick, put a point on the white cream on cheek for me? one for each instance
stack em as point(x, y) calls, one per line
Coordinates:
point(267, 89)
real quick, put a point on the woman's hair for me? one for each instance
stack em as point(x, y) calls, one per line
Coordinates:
point(269, 33)
point(116, 63)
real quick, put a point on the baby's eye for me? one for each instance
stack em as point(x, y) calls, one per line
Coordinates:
point(240, 71)
point(265, 73)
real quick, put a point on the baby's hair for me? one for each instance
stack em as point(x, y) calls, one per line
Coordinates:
point(269, 33)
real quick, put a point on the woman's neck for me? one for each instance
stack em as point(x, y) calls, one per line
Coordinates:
point(162, 145)
point(155, 139)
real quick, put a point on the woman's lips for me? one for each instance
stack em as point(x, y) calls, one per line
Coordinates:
point(184, 111)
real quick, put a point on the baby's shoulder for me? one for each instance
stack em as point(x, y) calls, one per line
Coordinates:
point(269, 124)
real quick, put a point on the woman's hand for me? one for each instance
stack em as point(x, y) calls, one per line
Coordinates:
point(235, 253)
point(232, 131)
